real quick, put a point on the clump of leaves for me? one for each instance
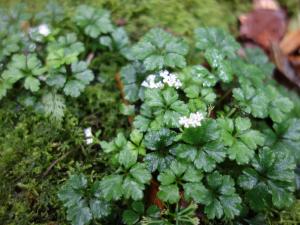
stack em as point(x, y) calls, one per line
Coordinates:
point(97, 25)
point(210, 142)
point(27, 67)
point(157, 50)
point(46, 63)
point(83, 202)
point(278, 188)
point(93, 21)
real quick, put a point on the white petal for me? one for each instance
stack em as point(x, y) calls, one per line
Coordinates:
point(89, 141)
point(88, 132)
point(43, 29)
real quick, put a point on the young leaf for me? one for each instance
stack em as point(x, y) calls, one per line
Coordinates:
point(287, 137)
point(169, 193)
point(132, 189)
point(116, 145)
point(127, 158)
point(93, 21)
point(136, 142)
point(220, 65)
point(9, 45)
point(214, 38)
point(111, 187)
point(159, 49)
point(81, 77)
point(134, 184)
point(158, 161)
point(187, 176)
point(155, 140)
point(140, 173)
point(64, 51)
point(99, 208)
point(240, 139)
point(268, 102)
point(27, 67)
point(197, 81)
point(79, 214)
point(208, 131)
point(132, 77)
point(222, 199)
point(4, 87)
point(130, 217)
point(272, 176)
point(70, 193)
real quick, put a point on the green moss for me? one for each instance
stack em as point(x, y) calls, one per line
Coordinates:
point(290, 217)
point(29, 144)
point(101, 110)
point(180, 17)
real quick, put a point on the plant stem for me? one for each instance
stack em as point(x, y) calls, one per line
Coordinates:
point(54, 163)
point(232, 111)
point(225, 95)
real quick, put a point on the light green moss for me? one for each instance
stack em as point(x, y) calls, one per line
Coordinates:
point(180, 17)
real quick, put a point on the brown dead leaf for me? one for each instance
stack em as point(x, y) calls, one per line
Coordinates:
point(265, 24)
point(152, 195)
point(290, 42)
point(284, 65)
point(120, 86)
point(295, 61)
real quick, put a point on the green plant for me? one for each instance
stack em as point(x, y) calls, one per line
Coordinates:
point(279, 186)
point(48, 60)
point(157, 49)
point(93, 21)
point(83, 207)
point(200, 132)
point(181, 215)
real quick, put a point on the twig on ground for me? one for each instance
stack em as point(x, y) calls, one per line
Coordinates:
point(55, 162)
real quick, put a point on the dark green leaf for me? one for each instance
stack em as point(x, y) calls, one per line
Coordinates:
point(155, 140)
point(169, 193)
point(111, 187)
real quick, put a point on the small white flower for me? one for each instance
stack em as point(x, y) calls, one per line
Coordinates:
point(88, 135)
point(88, 132)
point(170, 79)
point(164, 73)
point(150, 82)
point(194, 120)
point(89, 141)
point(44, 29)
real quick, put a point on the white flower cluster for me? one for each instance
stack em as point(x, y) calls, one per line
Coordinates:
point(150, 82)
point(88, 135)
point(194, 120)
point(168, 78)
point(44, 29)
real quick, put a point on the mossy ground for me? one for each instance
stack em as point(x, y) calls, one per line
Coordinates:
point(178, 16)
point(29, 144)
